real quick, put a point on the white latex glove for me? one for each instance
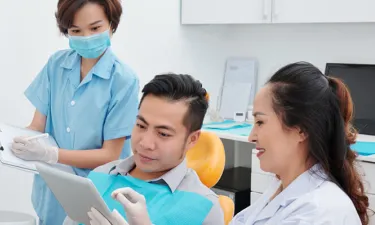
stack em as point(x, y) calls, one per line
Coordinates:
point(34, 150)
point(134, 205)
point(96, 218)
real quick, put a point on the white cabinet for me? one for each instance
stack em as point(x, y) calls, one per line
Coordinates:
point(225, 11)
point(276, 11)
point(372, 207)
point(323, 11)
point(367, 169)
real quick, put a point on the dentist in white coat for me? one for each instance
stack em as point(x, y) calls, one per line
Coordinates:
point(302, 131)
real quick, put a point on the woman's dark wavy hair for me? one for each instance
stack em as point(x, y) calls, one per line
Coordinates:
point(322, 107)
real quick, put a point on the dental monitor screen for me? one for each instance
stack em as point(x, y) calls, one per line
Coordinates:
point(360, 79)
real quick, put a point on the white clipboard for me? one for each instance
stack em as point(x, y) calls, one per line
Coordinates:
point(7, 158)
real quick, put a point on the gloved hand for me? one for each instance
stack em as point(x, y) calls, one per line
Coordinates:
point(96, 218)
point(134, 205)
point(34, 150)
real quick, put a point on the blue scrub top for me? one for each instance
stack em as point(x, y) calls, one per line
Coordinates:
point(81, 115)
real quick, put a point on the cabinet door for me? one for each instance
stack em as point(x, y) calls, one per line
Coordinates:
point(371, 199)
point(323, 11)
point(225, 11)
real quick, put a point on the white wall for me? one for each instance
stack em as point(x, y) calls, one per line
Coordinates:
point(151, 40)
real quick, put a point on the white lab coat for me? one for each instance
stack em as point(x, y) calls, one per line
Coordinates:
point(309, 200)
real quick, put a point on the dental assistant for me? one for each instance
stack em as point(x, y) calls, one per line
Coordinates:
point(85, 98)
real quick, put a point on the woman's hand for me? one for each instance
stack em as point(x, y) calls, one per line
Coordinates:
point(34, 150)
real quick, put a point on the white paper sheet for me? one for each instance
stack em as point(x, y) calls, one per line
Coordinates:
point(240, 70)
point(7, 134)
point(235, 98)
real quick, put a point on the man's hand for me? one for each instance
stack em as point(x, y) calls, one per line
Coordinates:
point(96, 218)
point(134, 205)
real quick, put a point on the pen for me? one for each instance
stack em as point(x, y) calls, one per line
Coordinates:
point(37, 136)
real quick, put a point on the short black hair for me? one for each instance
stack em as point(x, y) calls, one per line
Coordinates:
point(66, 9)
point(181, 87)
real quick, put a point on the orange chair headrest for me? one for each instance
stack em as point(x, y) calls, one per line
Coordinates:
point(207, 158)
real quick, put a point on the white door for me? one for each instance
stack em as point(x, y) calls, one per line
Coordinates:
point(323, 11)
point(225, 11)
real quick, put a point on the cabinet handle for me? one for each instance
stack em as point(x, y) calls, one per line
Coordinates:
point(265, 9)
point(275, 12)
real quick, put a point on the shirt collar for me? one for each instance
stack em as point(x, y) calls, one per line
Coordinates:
point(102, 68)
point(172, 178)
point(123, 167)
point(305, 183)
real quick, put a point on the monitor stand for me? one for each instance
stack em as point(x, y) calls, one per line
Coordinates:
point(365, 126)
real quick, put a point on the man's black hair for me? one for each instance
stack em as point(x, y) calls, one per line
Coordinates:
point(181, 87)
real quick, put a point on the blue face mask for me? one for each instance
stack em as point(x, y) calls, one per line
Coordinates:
point(90, 47)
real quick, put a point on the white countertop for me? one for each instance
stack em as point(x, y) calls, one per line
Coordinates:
point(360, 137)
point(367, 138)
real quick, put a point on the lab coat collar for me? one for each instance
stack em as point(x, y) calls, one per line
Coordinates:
point(102, 69)
point(172, 178)
point(305, 183)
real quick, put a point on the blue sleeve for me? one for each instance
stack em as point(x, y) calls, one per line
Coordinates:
point(38, 91)
point(123, 109)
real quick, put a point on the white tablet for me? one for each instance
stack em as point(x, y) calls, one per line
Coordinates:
point(76, 194)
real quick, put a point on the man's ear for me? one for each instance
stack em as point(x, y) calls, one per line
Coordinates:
point(193, 139)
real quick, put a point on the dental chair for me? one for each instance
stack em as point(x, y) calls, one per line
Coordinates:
point(207, 158)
